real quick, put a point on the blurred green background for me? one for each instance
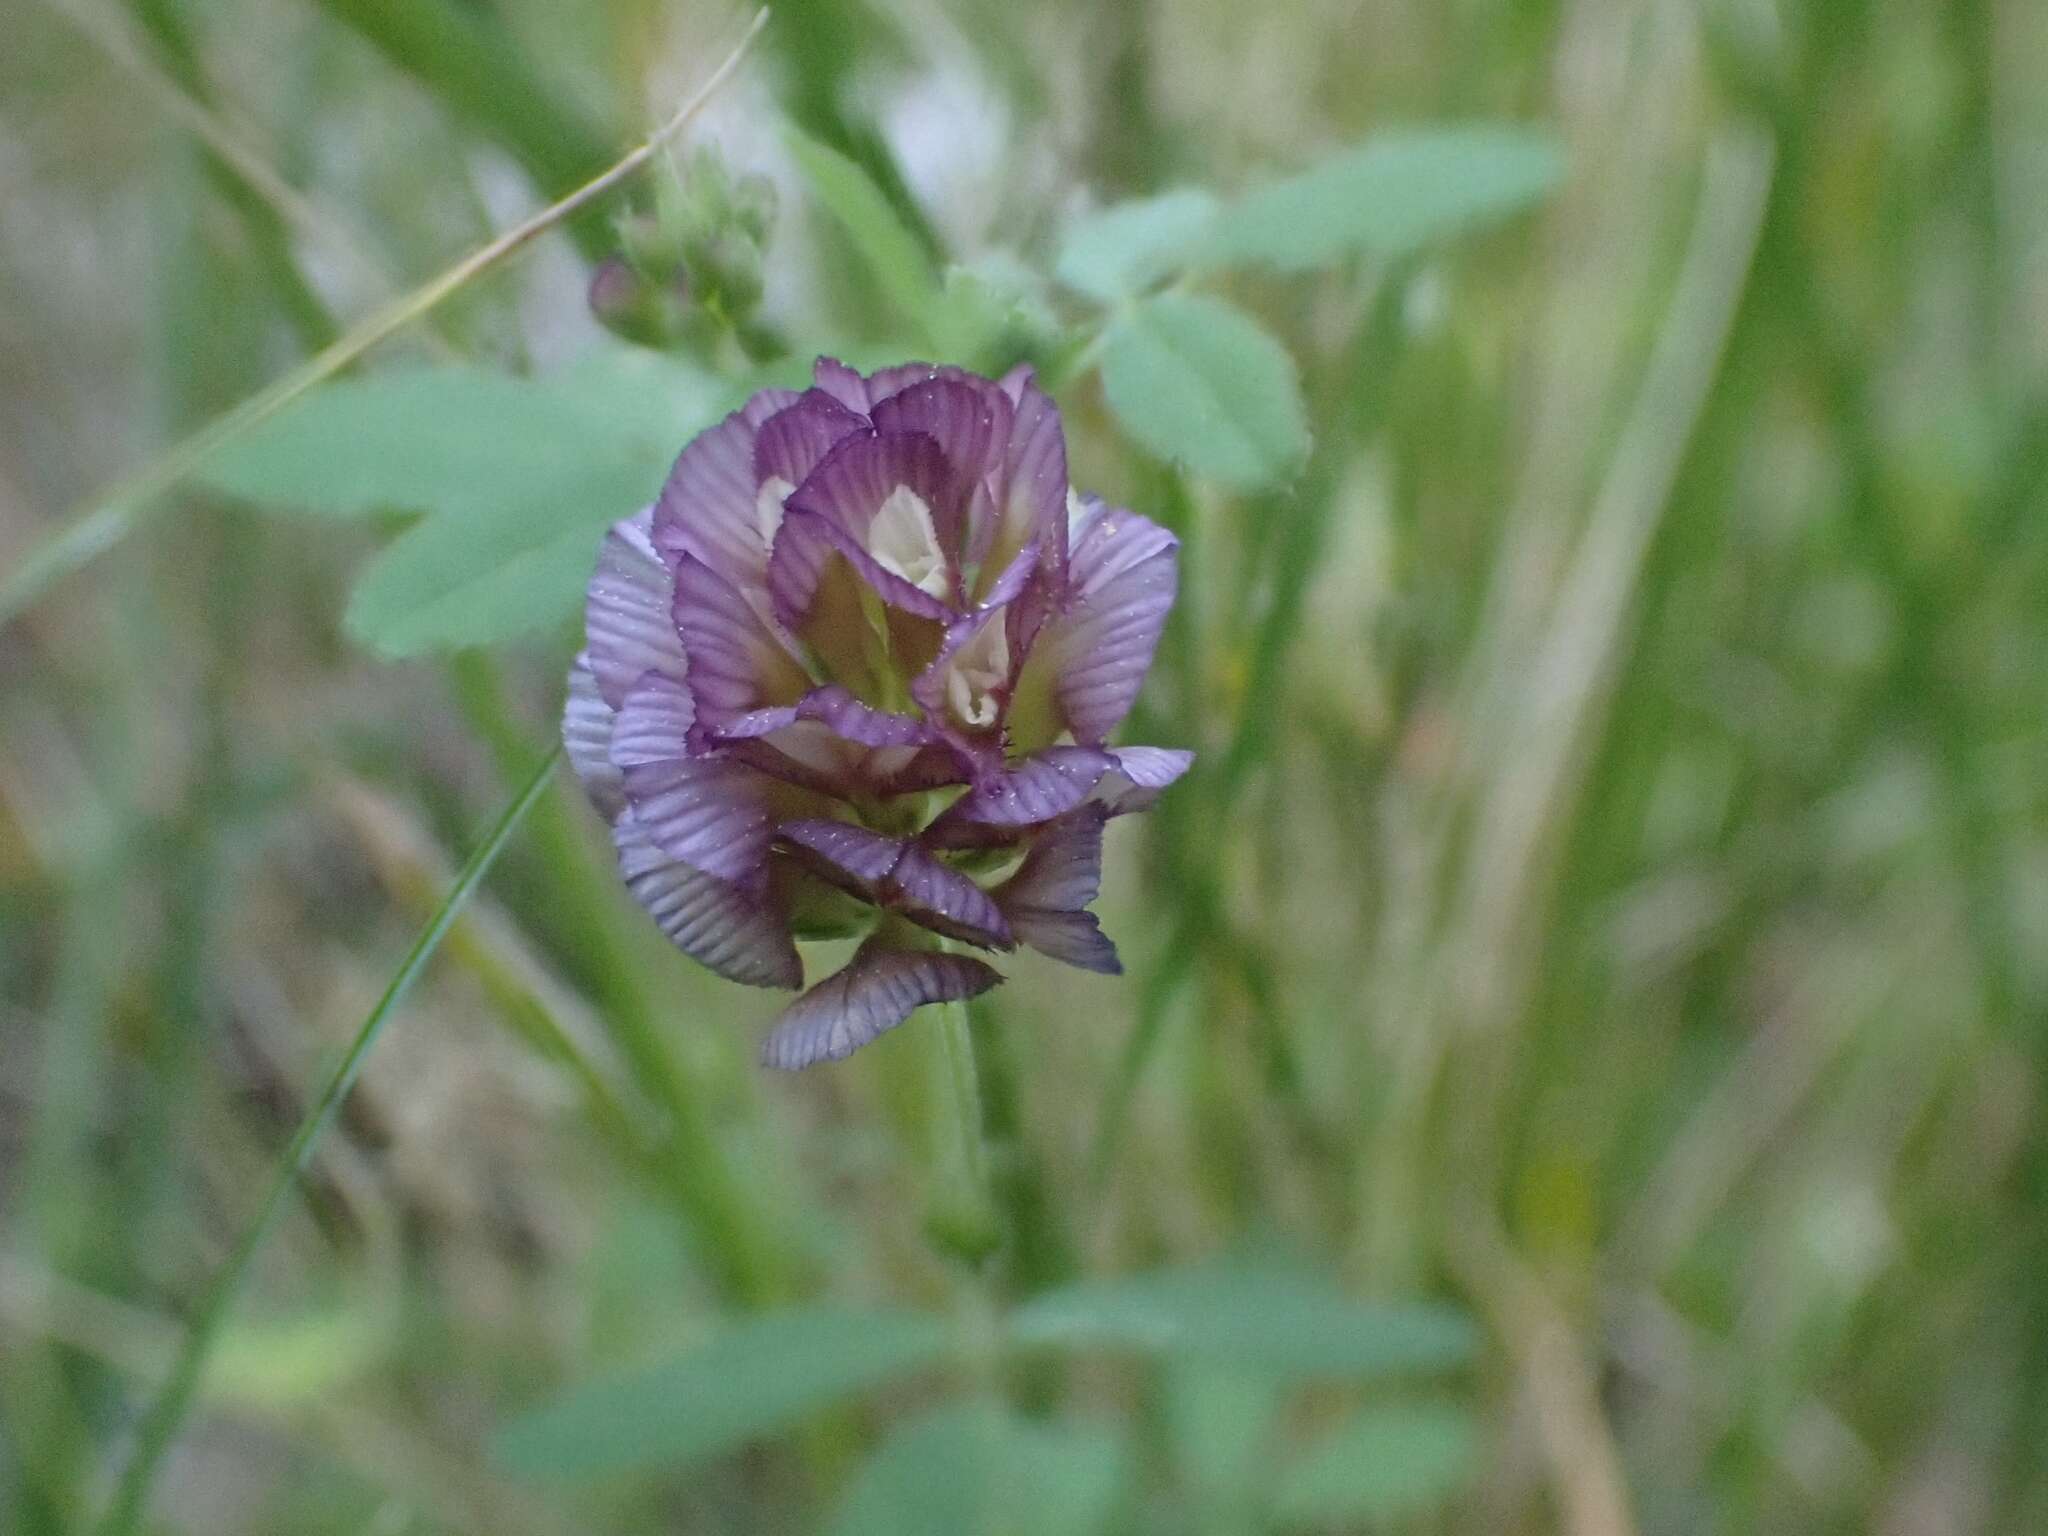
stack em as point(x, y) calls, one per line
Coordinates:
point(1581, 1062)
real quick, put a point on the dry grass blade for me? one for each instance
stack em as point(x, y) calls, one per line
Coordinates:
point(112, 516)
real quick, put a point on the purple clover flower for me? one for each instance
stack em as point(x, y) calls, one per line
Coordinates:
point(854, 673)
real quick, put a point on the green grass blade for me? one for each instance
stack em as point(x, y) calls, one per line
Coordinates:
point(174, 1400)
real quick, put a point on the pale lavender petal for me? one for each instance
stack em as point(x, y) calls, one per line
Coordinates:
point(896, 873)
point(840, 712)
point(587, 734)
point(793, 441)
point(1063, 870)
point(878, 990)
point(710, 812)
point(708, 507)
point(842, 383)
point(1121, 584)
point(931, 892)
point(736, 663)
point(1075, 938)
point(626, 620)
point(852, 857)
point(1040, 787)
point(713, 922)
point(1046, 899)
point(1138, 775)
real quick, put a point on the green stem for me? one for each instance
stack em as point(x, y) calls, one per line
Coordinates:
point(174, 1399)
point(962, 1217)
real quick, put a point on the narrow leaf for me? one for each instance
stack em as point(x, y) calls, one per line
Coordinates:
point(160, 1425)
point(1196, 380)
point(894, 256)
point(1124, 249)
point(759, 1378)
point(1280, 1321)
point(1390, 196)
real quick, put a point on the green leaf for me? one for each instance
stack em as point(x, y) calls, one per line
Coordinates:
point(1124, 249)
point(895, 256)
point(1280, 1321)
point(989, 314)
point(459, 438)
point(516, 479)
point(1195, 380)
point(1387, 1463)
point(452, 582)
point(973, 1470)
point(762, 1376)
point(1389, 196)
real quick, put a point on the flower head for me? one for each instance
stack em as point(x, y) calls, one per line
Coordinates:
point(854, 673)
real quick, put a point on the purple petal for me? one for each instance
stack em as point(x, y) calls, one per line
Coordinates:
point(710, 812)
point(1046, 898)
point(714, 923)
point(878, 990)
point(842, 383)
point(804, 549)
point(897, 874)
point(708, 508)
point(626, 616)
point(587, 734)
point(793, 441)
point(968, 418)
point(1040, 787)
point(856, 477)
point(1121, 584)
point(735, 662)
point(885, 383)
point(1031, 501)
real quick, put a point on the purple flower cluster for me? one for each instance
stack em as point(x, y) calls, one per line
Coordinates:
point(854, 673)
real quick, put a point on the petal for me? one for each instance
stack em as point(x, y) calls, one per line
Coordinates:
point(1096, 651)
point(968, 418)
point(626, 620)
point(1031, 496)
point(1074, 938)
point(794, 439)
point(842, 383)
point(1063, 870)
point(1045, 900)
point(710, 812)
point(897, 874)
point(735, 661)
point(587, 735)
point(714, 923)
point(806, 547)
point(1040, 787)
point(838, 711)
point(852, 482)
point(1138, 776)
point(877, 990)
point(708, 508)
